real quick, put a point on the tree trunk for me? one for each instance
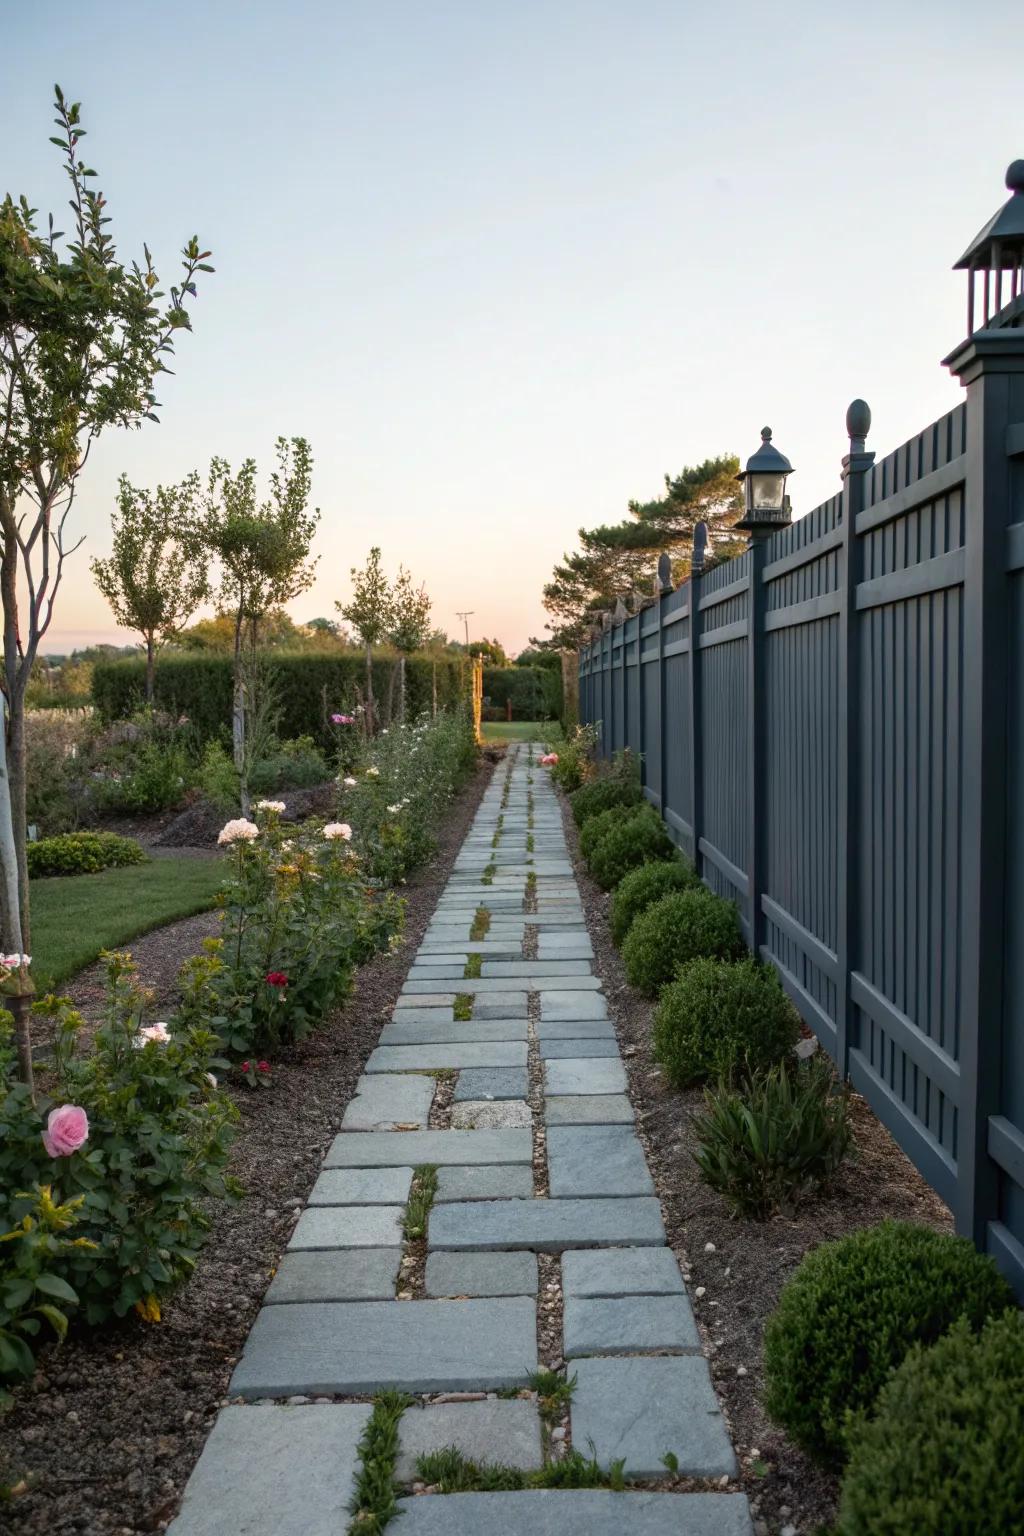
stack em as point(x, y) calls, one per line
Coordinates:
point(16, 767)
point(150, 667)
point(401, 689)
point(14, 939)
point(392, 680)
point(238, 718)
point(433, 689)
point(370, 724)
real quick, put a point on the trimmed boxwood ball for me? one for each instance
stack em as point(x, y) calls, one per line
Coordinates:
point(602, 823)
point(945, 1449)
point(642, 887)
point(602, 795)
point(852, 1312)
point(640, 839)
point(721, 1016)
point(679, 927)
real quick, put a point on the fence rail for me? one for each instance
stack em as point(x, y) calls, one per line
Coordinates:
point(832, 726)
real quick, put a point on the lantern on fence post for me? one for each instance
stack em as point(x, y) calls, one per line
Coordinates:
point(766, 505)
point(995, 250)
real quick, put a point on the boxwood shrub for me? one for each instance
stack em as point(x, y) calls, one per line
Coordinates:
point(82, 853)
point(722, 1016)
point(945, 1449)
point(638, 839)
point(852, 1312)
point(601, 795)
point(599, 825)
point(682, 926)
point(642, 887)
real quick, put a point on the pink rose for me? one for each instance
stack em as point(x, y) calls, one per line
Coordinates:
point(67, 1129)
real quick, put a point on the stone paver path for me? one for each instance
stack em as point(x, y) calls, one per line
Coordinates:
point(536, 1154)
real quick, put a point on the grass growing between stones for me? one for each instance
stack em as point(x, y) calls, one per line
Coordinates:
point(462, 1012)
point(487, 878)
point(473, 967)
point(481, 924)
point(448, 1471)
point(421, 1199)
point(496, 839)
point(554, 1393)
point(374, 1501)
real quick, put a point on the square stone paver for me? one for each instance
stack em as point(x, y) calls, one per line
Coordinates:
point(589, 1109)
point(506, 1432)
point(333, 1274)
point(584, 1074)
point(576, 1512)
point(381, 1104)
point(281, 1470)
point(621, 1272)
point(348, 1226)
point(497, 1183)
point(432, 1058)
point(546, 1225)
point(623, 1325)
point(596, 1160)
point(492, 1083)
point(362, 1186)
point(481, 1274)
point(390, 1149)
point(639, 1408)
point(366, 1346)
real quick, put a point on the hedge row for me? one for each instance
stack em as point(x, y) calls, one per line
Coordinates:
point(535, 692)
point(311, 688)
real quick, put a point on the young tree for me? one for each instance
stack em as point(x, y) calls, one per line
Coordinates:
point(156, 575)
point(410, 624)
point(263, 550)
point(82, 339)
point(370, 612)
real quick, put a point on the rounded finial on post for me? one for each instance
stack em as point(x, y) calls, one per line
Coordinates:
point(766, 434)
point(700, 541)
point(664, 572)
point(1015, 176)
point(858, 424)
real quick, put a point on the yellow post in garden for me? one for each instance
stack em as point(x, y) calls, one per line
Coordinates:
point(478, 697)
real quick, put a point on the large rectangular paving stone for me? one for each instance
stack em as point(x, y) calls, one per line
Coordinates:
point(432, 1058)
point(448, 1032)
point(589, 1109)
point(575, 1029)
point(333, 1274)
point(348, 1226)
point(584, 1074)
point(498, 1183)
point(547, 1226)
point(481, 1274)
point(488, 1432)
point(571, 984)
point(382, 1103)
point(621, 1272)
point(623, 1325)
point(588, 1045)
point(571, 1005)
point(596, 1160)
point(536, 970)
point(280, 1470)
point(576, 1512)
point(367, 1346)
point(397, 1149)
point(640, 1407)
point(492, 1083)
point(361, 1186)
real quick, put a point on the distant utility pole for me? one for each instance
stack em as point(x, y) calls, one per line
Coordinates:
point(465, 616)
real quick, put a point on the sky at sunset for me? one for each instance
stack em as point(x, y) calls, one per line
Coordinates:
point(506, 265)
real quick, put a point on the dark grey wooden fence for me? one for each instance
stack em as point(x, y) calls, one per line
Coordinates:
point(832, 726)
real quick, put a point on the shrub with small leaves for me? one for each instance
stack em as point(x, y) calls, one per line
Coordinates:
point(642, 887)
point(851, 1314)
point(603, 794)
point(638, 839)
point(575, 758)
point(682, 926)
point(721, 1016)
point(944, 1451)
point(82, 853)
point(767, 1142)
point(600, 824)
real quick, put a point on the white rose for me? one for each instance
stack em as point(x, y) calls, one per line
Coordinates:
point(238, 831)
point(336, 829)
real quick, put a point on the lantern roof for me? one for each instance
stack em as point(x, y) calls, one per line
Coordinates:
point(998, 245)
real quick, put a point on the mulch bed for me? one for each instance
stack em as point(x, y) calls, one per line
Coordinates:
point(109, 1429)
point(741, 1265)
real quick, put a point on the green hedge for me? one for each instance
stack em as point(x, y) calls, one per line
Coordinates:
point(536, 692)
point(312, 685)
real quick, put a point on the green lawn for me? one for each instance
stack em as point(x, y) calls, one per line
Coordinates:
point(75, 916)
point(540, 731)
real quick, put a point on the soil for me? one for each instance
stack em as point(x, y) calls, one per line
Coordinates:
point(735, 1266)
point(105, 1436)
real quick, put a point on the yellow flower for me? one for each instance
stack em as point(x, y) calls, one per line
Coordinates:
point(149, 1309)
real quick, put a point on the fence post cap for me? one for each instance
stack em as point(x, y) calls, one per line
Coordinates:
point(858, 424)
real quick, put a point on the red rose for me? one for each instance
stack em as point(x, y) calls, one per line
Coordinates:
point(276, 979)
point(245, 1066)
point(263, 1066)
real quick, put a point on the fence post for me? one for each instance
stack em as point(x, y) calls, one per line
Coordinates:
point(856, 465)
point(756, 839)
point(662, 585)
point(989, 364)
point(694, 691)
